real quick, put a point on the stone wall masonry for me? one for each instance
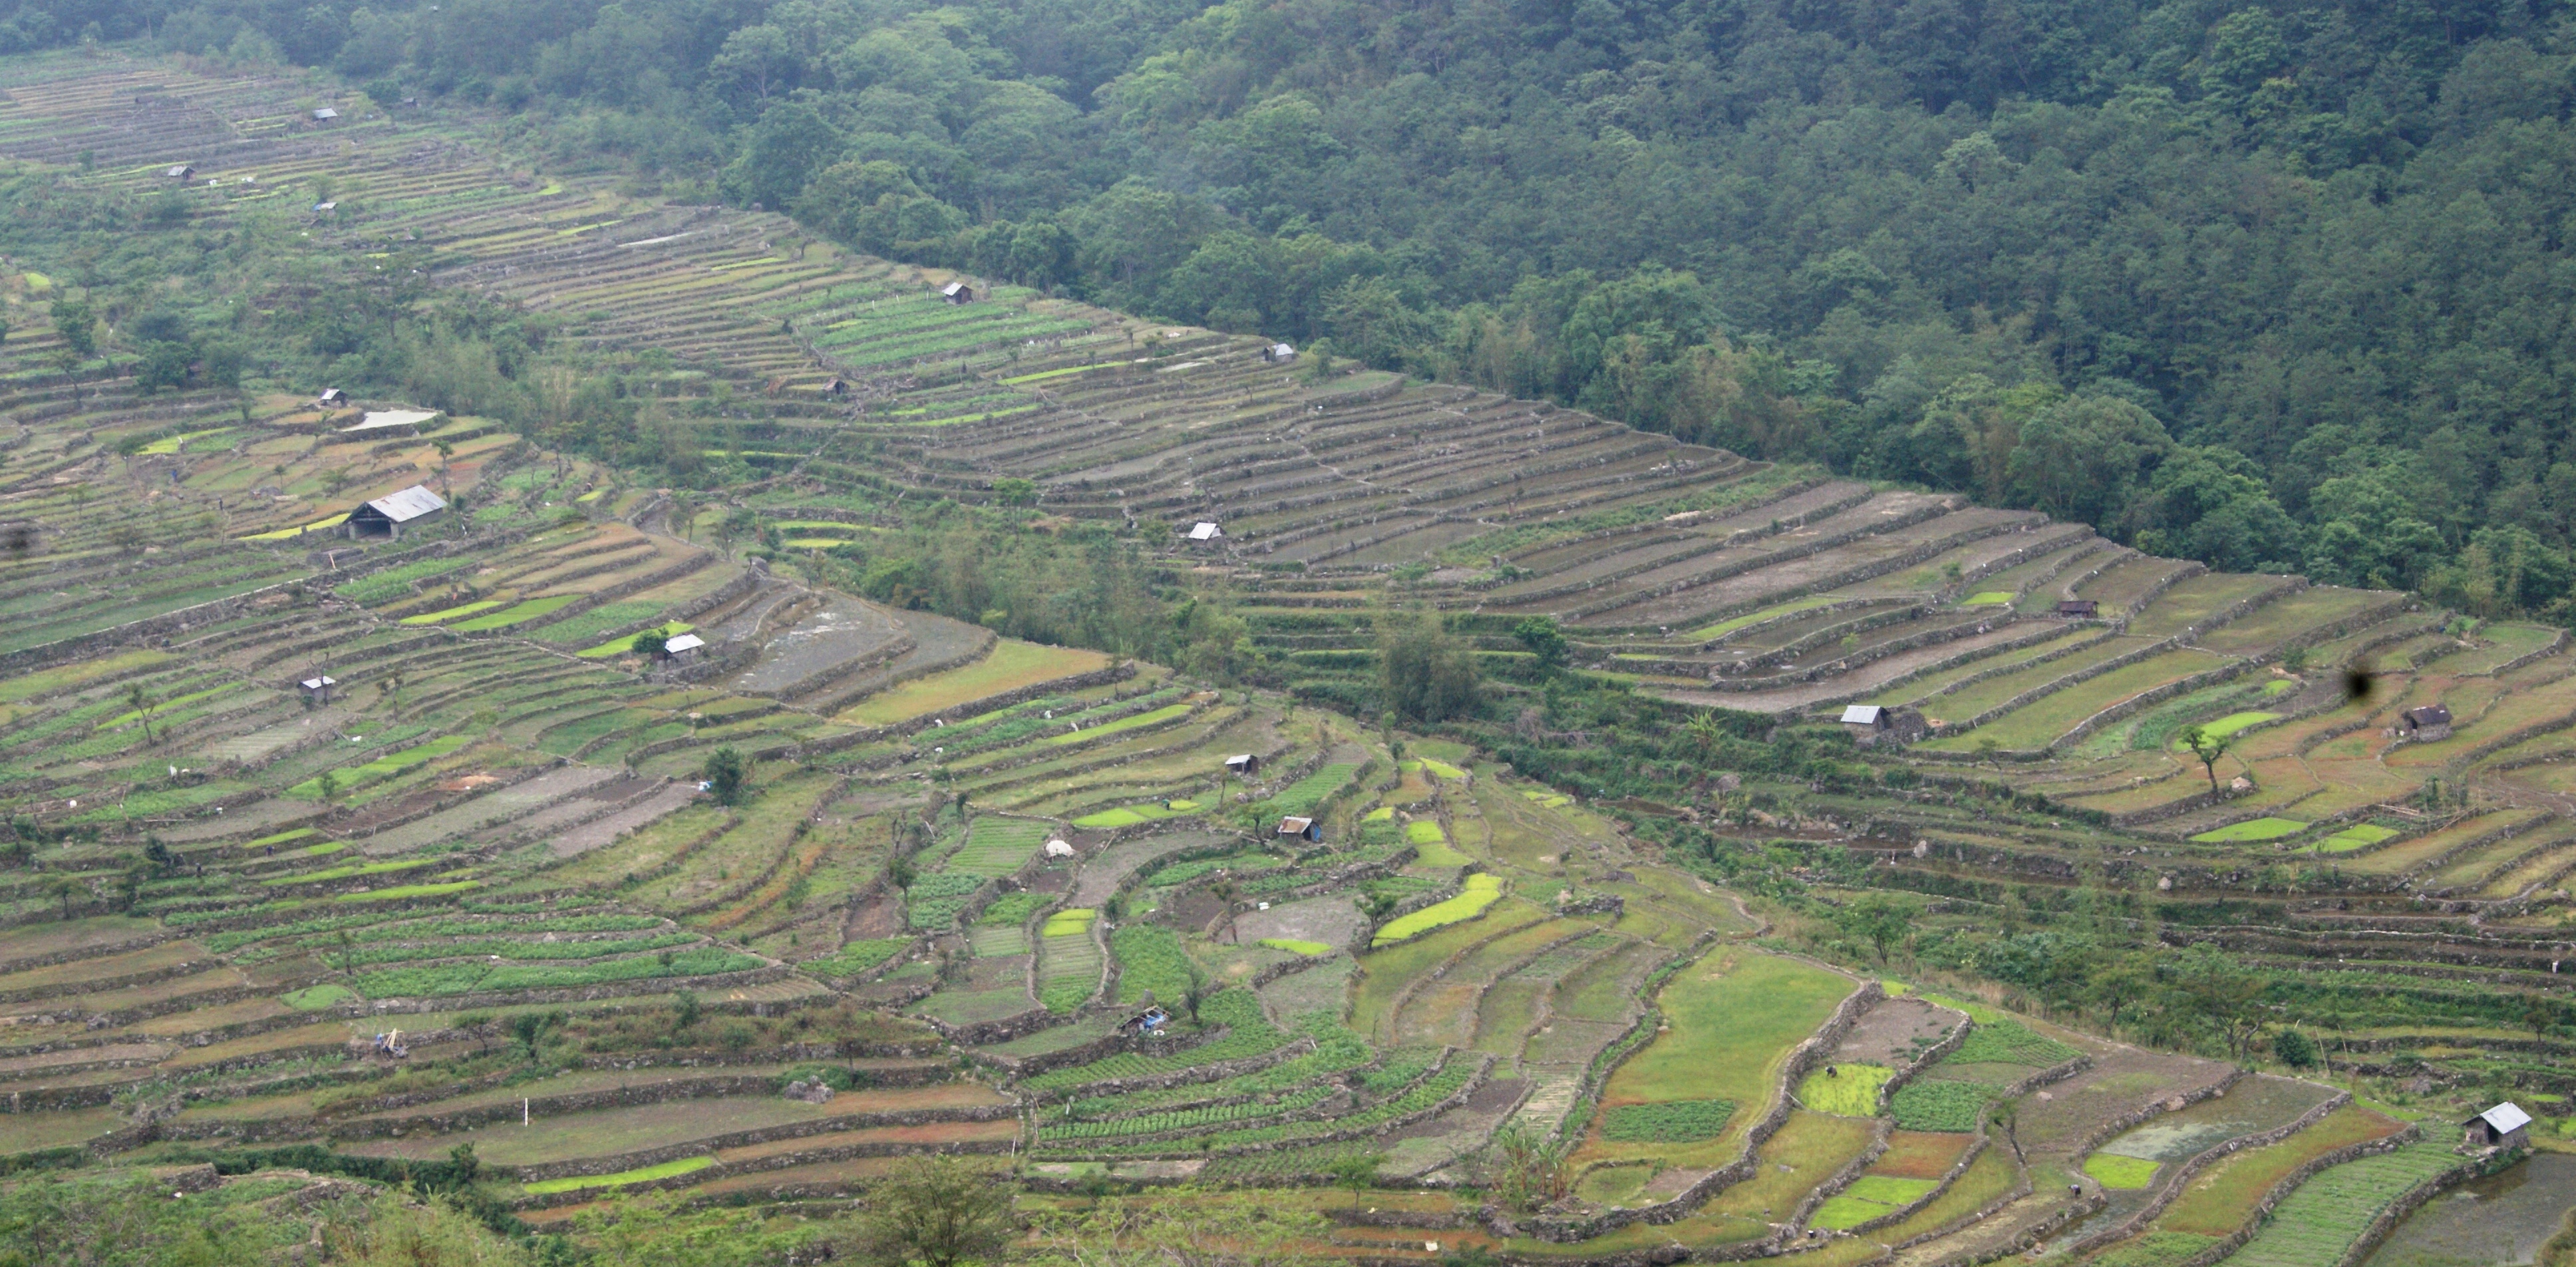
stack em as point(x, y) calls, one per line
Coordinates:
point(2153, 592)
point(2412, 1199)
point(2118, 554)
point(1783, 493)
point(707, 1085)
point(1933, 1055)
point(71, 990)
point(2145, 700)
point(1641, 1030)
point(2290, 1183)
point(1118, 672)
point(1842, 1178)
point(612, 1164)
point(1925, 512)
point(1865, 655)
point(1213, 1071)
point(2171, 1182)
point(574, 994)
point(1106, 760)
point(1810, 1052)
point(1967, 1157)
point(774, 1161)
point(1733, 540)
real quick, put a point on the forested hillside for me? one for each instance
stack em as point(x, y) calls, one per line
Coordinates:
point(2274, 286)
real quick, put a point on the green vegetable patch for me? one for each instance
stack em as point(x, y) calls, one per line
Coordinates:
point(314, 998)
point(574, 1183)
point(1296, 947)
point(1672, 1122)
point(1987, 598)
point(2357, 836)
point(2255, 829)
point(2120, 1172)
point(1848, 1091)
point(1067, 921)
point(2228, 725)
point(1869, 1197)
point(1483, 890)
point(1935, 1105)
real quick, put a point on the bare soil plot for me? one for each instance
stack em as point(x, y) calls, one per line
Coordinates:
point(1896, 1032)
point(843, 634)
point(1331, 920)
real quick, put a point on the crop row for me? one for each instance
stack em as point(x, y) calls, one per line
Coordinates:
point(470, 978)
point(1185, 1119)
point(1250, 1034)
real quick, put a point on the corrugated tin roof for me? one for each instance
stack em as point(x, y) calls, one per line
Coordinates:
point(685, 642)
point(1206, 532)
point(380, 418)
point(1862, 714)
point(409, 504)
point(317, 683)
point(2505, 1117)
point(1291, 826)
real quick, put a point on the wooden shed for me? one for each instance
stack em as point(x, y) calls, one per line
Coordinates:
point(2079, 609)
point(180, 172)
point(1206, 531)
point(317, 688)
point(388, 515)
point(1279, 353)
point(684, 648)
point(1305, 829)
point(325, 115)
point(331, 398)
point(957, 293)
point(1243, 765)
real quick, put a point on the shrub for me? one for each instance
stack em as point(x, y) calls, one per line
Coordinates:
point(2011, 1043)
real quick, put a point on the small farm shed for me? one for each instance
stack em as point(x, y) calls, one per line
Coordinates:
point(325, 115)
point(1279, 354)
point(180, 172)
point(1150, 1021)
point(1306, 829)
point(388, 515)
point(2504, 1126)
point(1870, 724)
point(1243, 764)
point(2079, 609)
point(318, 687)
point(1205, 532)
point(331, 398)
point(957, 293)
point(2426, 723)
point(836, 388)
point(683, 648)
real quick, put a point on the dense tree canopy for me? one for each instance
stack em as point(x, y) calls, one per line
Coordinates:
point(2270, 284)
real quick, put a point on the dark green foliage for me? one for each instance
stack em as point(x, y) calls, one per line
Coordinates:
point(1677, 1122)
point(725, 774)
point(2007, 1042)
point(1426, 673)
point(2294, 1049)
point(1931, 1105)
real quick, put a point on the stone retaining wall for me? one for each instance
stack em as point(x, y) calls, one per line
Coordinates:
point(2171, 1181)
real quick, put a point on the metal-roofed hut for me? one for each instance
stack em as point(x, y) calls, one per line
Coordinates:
point(388, 515)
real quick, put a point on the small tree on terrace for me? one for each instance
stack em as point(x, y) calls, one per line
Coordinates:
point(2208, 748)
point(1357, 1173)
point(726, 775)
point(934, 1212)
point(1880, 919)
point(64, 888)
point(142, 703)
point(650, 642)
point(1530, 1168)
point(1545, 641)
